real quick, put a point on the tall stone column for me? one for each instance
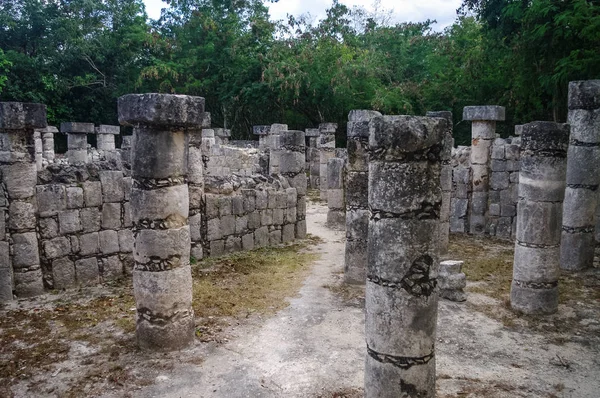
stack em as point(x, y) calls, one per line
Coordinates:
point(357, 196)
point(126, 148)
point(536, 267)
point(326, 147)
point(48, 143)
point(483, 133)
point(196, 190)
point(292, 166)
point(336, 201)
point(77, 140)
point(313, 157)
point(21, 271)
point(39, 149)
point(583, 176)
point(446, 180)
point(162, 279)
point(275, 147)
point(401, 296)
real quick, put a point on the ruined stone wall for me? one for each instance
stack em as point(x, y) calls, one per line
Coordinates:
point(501, 207)
point(84, 224)
point(225, 160)
point(243, 214)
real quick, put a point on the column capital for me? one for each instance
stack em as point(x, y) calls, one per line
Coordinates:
point(161, 110)
point(22, 115)
point(484, 113)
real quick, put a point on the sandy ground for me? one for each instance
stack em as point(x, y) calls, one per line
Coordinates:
point(315, 348)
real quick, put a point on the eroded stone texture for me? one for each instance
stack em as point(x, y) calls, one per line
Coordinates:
point(196, 191)
point(336, 202)
point(106, 137)
point(313, 165)
point(77, 140)
point(583, 176)
point(452, 281)
point(357, 198)
point(483, 132)
point(534, 288)
point(292, 167)
point(162, 277)
point(445, 180)
point(401, 296)
point(274, 144)
point(326, 145)
point(18, 171)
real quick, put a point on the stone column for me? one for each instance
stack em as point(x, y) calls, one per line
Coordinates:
point(162, 279)
point(263, 135)
point(357, 196)
point(77, 140)
point(292, 167)
point(583, 176)
point(48, 143)
point(106, 137)
point(126, 148)
point(446, 180)
point(336, 202)
point(39, 149)
point(20, 271)
point(483, 132)
point(401, 296)
point(326, 147)
point(222, 136)
point(275, 147)
point(313, 157)
point(536, 267)
point(196, 191)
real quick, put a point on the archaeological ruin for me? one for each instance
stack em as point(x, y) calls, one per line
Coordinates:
point(150, 204)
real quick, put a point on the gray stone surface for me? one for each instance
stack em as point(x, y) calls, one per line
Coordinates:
point(486, 112)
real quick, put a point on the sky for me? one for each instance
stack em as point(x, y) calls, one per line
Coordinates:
point(444, 11)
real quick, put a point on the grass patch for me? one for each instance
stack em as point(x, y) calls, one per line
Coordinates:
point(244, 283)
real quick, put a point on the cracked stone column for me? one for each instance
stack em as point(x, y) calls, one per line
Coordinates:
point(401, 297)
point(483, 133)
point(162, 279)
point(48, 143)
point(77, 140)
point(275, 147)
point(326, 147)
point(446, 180)
point(126, 148)
point(196, 190)
point(263, 135)
point(292, 157)
point(20, 271)
point(39, 149)
point(105, 136)
point(313, 157)
point(357, 196)
point(583, 176)
point(536, 267)
point(336, 202)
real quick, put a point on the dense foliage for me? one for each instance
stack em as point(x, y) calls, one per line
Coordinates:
point(78, 56)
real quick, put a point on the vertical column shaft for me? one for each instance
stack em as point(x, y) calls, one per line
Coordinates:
point(162, 279)
point(583, 176)
point(336, 201)
point(483, 132)
point(19, 251)
point(292, 158)
point(39, 149)
point(326, 147)
point(401, 296)
point(313, 157)
point(543, 150)
point(275, 147)
point(106, 137)
point(357, 196)
point(446, 180)
point(48, 143)
point(196, 191)
point(77, 140)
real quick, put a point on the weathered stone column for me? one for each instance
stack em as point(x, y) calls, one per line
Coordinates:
point(446, 180)
point(483, 132)
point(275, 147)
point(39, 149)
point(536, 267)
point(222, 136)
point(357, 196)
point(196, 191)
point(583, 176)
point(77, 140)
point(162, 279)
point(126, 148)
point(105, 137)
point(48, 143)
point(313, 157)
point(292, 167)
point(336, 201)
point(20, 271)
point(401, 296)
point(326, 147)
point(263, 135)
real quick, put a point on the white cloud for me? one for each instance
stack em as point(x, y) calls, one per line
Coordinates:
point(444, 11)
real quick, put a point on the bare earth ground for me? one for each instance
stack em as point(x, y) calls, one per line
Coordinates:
point(81, 343)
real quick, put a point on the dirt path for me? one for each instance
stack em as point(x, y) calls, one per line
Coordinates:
point(312, 348)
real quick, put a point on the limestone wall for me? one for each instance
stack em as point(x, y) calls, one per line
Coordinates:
point(246, 214)
point(225, 160)
point(84, 224)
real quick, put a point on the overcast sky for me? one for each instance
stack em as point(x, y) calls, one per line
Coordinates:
point(444, 11)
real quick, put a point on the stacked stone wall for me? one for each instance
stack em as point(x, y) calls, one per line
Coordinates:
point(250, 215)
point(224, 160)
